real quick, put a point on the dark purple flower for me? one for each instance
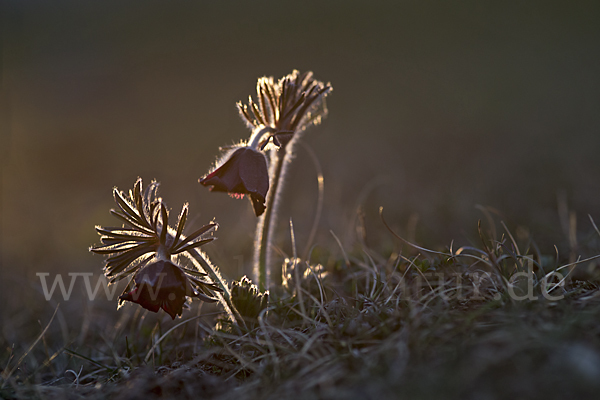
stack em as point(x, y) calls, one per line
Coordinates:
point(162, 284)
point(244, 172)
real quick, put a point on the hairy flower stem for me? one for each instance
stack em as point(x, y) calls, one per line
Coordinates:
point(201, 263)
point(266, 271)
point(282, 112)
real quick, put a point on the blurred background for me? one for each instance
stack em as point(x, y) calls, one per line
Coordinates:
point(437, 107)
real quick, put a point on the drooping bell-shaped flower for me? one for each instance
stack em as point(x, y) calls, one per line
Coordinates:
point(283, 110)
point(244, 172)
point(162, 284)
point(143, 248)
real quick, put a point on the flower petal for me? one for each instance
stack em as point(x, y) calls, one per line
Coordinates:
point(245, 172)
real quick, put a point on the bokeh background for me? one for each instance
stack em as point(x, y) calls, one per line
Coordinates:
point(437, 107)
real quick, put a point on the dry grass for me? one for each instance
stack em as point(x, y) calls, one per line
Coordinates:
point(358, 325)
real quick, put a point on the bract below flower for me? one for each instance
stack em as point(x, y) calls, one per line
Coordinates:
point(244, 172)
point(162, 284)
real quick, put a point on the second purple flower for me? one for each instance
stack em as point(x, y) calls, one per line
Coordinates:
point(243, 172)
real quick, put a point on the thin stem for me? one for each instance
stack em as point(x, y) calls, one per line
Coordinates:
point(321, 191)
point(265, 227)
point(201, 262)
point(258, 135)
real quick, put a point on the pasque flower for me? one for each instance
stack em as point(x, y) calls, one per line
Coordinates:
point(162, 284)
point(244, 171)
point(144, 246)
point(282, 111)
point(284, 108)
